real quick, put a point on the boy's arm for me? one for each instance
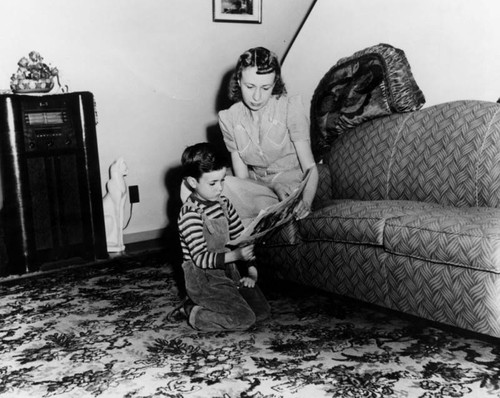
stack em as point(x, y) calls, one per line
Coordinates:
point(191, 233)
point(235, 225)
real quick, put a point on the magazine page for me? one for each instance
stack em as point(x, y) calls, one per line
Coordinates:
point(272, 217)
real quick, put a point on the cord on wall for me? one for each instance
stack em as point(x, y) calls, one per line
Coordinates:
point(133, 195)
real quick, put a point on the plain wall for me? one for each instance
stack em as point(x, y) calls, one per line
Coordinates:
point(452, 45)
point(155, 67)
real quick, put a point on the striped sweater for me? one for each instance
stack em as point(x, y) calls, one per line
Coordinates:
point(193, 242)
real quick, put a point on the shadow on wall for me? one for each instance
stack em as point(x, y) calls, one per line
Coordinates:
point(170, 235)
point(173, 179)
point(222, 102)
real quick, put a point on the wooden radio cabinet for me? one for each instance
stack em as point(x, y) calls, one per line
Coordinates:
point(50, 181)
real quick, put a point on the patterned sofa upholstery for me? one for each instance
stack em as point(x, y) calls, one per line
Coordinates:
point(407, 216)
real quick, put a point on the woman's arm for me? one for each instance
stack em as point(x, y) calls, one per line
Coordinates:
point(298, 126)
point(240, 169)
point(306, 160)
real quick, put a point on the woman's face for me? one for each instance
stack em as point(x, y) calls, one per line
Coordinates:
point(256, 89)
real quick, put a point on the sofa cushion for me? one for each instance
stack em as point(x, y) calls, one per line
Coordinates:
point(359, 222)
point(467, 237)
point(373, 82)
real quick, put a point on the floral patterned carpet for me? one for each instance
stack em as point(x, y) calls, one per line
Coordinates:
point(102, 331)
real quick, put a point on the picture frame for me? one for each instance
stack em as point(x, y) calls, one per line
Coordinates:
point(247, 11)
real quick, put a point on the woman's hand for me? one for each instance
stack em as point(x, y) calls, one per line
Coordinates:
point(302, 210)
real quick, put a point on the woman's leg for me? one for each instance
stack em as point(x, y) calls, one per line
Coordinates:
point(248, 196)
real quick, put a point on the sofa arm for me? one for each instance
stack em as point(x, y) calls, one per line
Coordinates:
point(325, 187)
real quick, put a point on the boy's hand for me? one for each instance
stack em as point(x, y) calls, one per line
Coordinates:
point(252, 273)
point(246, 253)
point(251, 279)
point(246, 281)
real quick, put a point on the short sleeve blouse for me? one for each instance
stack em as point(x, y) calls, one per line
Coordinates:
point(268, 146)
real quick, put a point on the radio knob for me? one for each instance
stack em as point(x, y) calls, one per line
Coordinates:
point(67, 142)
point(50, 143)
point(31, 145)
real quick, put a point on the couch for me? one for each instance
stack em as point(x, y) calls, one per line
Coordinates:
point(407, 217)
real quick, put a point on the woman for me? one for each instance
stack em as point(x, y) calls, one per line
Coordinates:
point(267, 135)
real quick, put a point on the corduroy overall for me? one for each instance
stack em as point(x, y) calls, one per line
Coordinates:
point(220, 302)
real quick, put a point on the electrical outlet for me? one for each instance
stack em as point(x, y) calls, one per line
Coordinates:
point(133, 193)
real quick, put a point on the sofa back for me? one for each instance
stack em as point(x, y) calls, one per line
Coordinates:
point(448, 153)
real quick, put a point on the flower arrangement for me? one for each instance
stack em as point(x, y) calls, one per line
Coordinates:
point(33, 75)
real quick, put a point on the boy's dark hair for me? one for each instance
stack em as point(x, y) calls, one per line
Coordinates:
point(201, 158)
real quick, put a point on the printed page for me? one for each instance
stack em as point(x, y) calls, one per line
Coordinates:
point(273, 216)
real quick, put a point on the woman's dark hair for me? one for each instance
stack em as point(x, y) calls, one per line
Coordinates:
point(266, 62)
point(201, 158)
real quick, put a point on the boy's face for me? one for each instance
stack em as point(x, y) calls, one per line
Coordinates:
point(210, 185)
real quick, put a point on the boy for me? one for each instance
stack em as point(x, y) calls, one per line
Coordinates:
point(218, 297)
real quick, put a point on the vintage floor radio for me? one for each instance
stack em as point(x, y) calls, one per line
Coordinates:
point(51, 187)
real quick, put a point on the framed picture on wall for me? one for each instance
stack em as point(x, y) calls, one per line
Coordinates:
point(249, 11)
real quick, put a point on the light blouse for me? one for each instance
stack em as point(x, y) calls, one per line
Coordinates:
point(266, 147)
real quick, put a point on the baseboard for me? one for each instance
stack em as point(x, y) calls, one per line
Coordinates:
point(143, 236)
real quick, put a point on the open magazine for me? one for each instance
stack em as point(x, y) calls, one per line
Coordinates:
point(273, 216)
